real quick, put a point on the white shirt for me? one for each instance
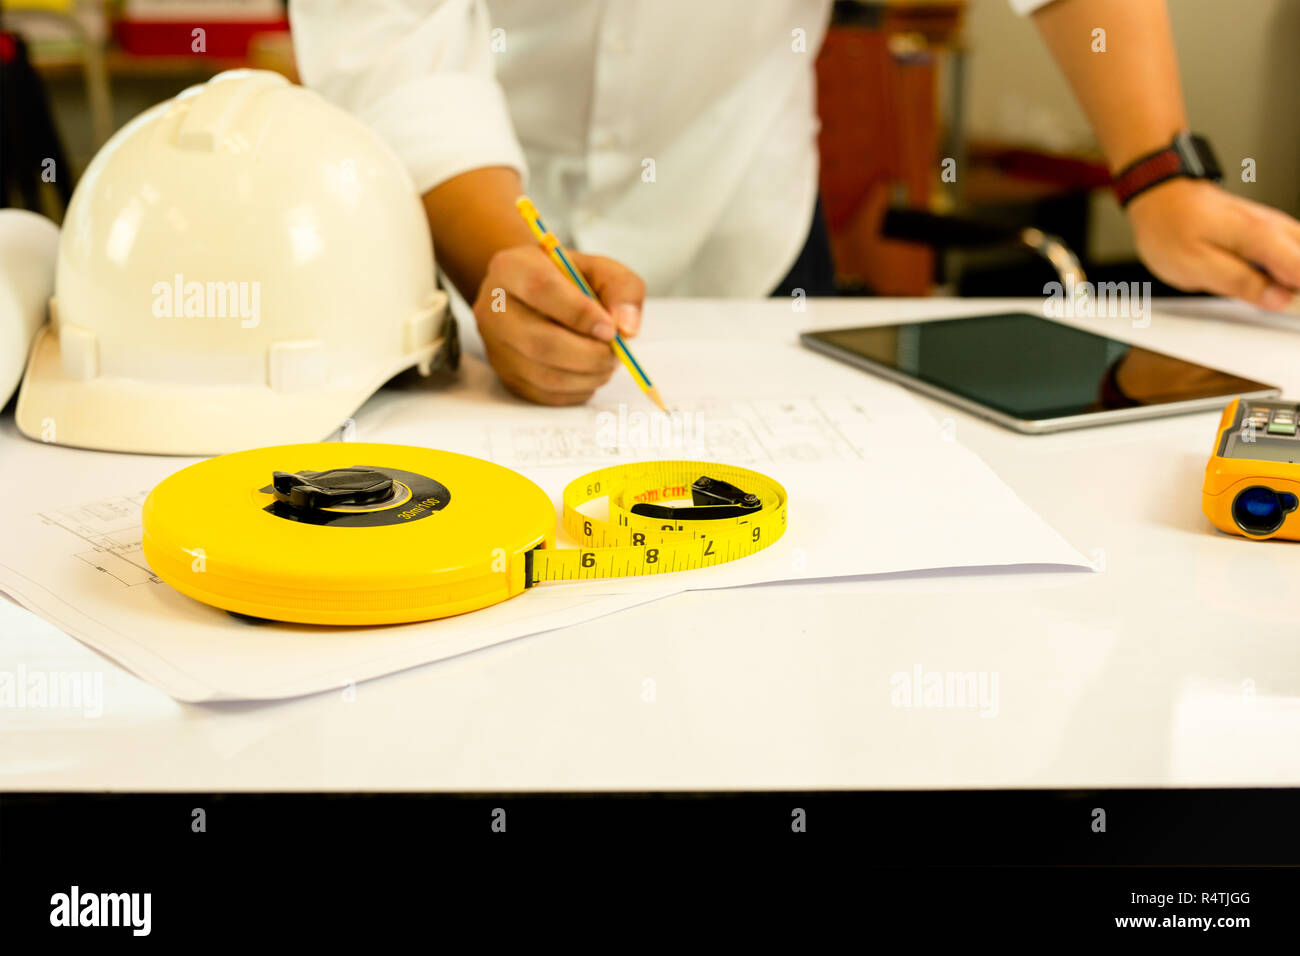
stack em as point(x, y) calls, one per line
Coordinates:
point(677, 136)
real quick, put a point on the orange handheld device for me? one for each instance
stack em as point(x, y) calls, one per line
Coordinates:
point(1252, 482)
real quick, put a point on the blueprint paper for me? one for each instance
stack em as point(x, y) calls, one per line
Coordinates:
point(875, 486)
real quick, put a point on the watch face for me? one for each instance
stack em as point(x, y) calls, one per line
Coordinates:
point(1197, 157)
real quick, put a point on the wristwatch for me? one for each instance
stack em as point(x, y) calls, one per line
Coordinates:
point(1188, 156)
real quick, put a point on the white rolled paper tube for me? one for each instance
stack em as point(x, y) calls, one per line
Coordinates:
point(29, 245)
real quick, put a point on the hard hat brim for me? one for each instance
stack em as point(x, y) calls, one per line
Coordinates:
point(161, 418)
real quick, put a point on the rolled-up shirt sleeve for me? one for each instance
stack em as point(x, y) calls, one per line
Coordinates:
point(420, 74)
point(1025, 7)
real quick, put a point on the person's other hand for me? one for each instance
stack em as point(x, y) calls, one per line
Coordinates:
point(1194, 235)
point(545, 338)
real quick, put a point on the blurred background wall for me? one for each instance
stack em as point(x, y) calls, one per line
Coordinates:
point(903, 87)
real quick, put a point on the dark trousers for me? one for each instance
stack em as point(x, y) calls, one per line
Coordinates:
point(813, 271)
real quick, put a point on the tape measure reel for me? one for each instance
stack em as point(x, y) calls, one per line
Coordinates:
point(355, 533)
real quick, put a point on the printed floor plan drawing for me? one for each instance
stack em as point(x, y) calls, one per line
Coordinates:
point(111, 526)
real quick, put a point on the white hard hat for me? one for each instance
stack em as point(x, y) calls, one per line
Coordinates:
point(240, 266)
point(27, 249)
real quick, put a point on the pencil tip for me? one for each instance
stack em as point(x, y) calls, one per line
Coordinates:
point(653, 394)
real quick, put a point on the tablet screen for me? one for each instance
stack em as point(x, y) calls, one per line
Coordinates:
point(1033, 368)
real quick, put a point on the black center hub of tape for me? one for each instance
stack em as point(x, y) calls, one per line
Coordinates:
point(358, 487)
point(296, 500)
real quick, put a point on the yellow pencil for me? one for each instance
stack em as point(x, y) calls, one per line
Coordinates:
point(556, 252)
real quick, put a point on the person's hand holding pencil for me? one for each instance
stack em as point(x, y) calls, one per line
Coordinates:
point(547, 340)
point(550, 342)
point(564, 262)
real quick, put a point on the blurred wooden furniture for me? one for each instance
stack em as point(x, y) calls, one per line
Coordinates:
point(92, 51)
point(879, 102)
point(83, 23)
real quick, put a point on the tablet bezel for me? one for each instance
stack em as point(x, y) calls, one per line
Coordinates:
point(1028, 426)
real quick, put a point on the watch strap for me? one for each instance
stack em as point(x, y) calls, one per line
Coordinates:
point(1187, 156)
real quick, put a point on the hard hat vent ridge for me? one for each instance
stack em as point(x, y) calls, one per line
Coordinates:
point(211, 114)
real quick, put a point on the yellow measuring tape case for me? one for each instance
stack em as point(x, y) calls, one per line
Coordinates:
point(354, 533)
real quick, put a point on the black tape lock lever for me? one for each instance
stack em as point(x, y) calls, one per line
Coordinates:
point(712, 498)
point(311, 490)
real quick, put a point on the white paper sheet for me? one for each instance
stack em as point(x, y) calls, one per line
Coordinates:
point(875, 485)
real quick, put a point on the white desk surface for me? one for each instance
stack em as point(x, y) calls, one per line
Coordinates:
point(1178, 665)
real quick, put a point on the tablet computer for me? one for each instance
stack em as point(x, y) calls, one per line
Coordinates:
point(1032, 374)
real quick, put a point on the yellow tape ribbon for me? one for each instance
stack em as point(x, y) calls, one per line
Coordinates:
point(625, 543)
